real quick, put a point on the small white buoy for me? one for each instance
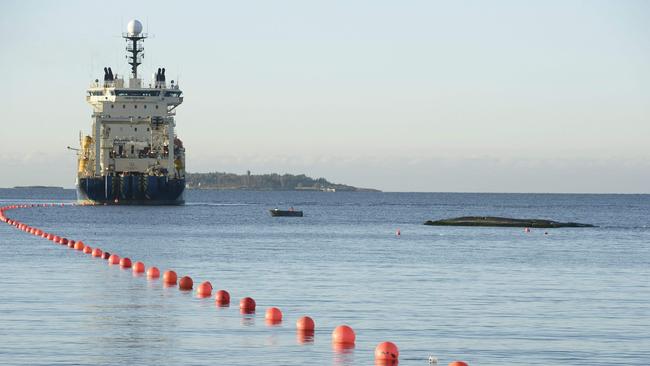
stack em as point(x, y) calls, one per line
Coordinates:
point(398, 233)
point(433, 360)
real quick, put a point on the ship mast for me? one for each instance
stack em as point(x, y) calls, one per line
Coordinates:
point(133, 36)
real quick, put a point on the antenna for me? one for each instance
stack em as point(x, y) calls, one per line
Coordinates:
point(133, 36)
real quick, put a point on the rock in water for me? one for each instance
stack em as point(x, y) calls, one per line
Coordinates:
point(503, 222)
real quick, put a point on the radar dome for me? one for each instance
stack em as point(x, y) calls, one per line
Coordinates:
point(134, 27)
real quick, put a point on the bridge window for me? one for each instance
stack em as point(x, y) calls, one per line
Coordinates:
point(137, 93)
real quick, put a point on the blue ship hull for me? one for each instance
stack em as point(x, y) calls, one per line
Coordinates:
point(131, 190)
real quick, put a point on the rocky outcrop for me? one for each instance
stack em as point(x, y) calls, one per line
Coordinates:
point(503, 222)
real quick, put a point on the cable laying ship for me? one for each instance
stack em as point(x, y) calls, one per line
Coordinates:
point(132, 155)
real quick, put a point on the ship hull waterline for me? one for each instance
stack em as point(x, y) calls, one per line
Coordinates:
point(131, 190)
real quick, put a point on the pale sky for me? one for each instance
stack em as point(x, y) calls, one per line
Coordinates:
point(466, 96)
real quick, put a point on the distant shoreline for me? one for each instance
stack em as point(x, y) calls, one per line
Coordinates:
point(266, 182)
point(362, 190)
point(37, 187)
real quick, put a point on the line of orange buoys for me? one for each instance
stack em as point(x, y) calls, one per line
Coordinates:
point(343, 336)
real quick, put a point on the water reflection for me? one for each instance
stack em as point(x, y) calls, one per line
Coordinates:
point(305, 336)
point(248, 320)
point(386, 362)
point(343, 354)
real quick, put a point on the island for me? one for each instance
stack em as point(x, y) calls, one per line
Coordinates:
point(37, 187)
point(503, 222)
point(266, 182)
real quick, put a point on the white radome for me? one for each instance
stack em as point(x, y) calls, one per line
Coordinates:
point(134, 27)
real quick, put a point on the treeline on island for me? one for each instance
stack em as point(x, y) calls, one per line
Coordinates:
point(265, 182)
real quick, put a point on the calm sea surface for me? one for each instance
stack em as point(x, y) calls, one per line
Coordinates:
point(488, 296)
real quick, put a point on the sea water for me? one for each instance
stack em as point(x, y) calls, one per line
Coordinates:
point(488, 296)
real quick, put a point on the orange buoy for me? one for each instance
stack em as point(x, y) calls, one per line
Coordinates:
point(169, 277)
point(79, 245)
point(64, 241)
point(185, 283)
point(138, 267)
point(222, 298)
point(97, 252)
point(343, 334)
point(153, 272)
point(106, 255)
point(273, 315)
point(88, 249)
point(204, 289)
point(56, 239)
point(113, 259)
point(247, 305)
point(386, 351)
point(71, 245)
point(125, 262)
point(305, 323)
point(71, 242)
point(458, 363)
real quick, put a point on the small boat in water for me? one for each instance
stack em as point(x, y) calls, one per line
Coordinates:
point(287, 213)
